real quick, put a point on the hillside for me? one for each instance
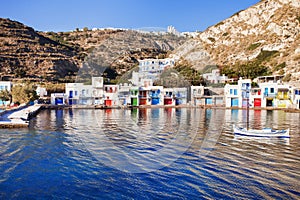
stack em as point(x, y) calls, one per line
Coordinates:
point(116, 51)
point(26, 54)
point(266, 34)
point(50, 56)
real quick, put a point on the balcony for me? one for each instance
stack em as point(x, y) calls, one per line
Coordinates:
point(270, 95)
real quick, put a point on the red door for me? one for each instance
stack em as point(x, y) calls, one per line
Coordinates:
point(257, 102)
point(108, 102)
point(168, 101)
point(143, 101)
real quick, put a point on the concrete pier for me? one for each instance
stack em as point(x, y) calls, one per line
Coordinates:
point(19, 117)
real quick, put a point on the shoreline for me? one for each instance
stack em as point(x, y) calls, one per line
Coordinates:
point(44, 106)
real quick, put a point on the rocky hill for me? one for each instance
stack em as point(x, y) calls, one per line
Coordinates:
point(50, 56)
point(266, 34)
point(26, 54)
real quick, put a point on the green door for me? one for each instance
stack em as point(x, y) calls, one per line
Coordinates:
point(134, 102)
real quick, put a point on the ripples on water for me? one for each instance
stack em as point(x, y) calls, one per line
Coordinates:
point(149, 154)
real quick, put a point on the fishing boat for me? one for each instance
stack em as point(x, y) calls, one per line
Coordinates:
point(265, 132)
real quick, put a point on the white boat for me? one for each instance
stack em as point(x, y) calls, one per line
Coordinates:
point(266, 132)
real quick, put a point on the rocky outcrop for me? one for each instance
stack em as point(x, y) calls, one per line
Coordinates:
point(26, 54)
point(270, 25)
point(50, 56)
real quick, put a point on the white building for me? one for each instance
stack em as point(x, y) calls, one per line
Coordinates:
point(296, 97)
point(151, 69)
point(5, 85)
point(124, 94)
point(111, 95)
point(78, 93)
point(215, 77)
point(197, 93)
point(238, 95)
point(59, 99)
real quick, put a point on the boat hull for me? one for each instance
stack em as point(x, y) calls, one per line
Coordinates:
point(265, 133)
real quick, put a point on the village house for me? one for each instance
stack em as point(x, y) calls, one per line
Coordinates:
point(215, 77)
point(237, 95)
point(79, 93)
point(151, 69)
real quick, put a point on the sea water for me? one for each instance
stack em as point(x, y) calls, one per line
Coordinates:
point(158, 153)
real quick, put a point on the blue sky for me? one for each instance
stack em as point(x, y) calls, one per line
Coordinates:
point(65, 15)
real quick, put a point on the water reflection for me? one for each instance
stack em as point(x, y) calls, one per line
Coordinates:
point(187, 153)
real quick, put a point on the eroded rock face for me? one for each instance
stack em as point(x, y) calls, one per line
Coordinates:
point(272, 25)
point(25, 53)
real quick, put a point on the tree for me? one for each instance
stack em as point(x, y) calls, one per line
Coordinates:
point(24, 93)
point(5, 95)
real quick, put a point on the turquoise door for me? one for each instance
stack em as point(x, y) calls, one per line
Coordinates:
point(234, 102)
point(208, 101)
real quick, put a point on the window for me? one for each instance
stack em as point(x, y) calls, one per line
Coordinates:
point(235, 91)
point(271, 90)
point(231, 91)
point(76, 93)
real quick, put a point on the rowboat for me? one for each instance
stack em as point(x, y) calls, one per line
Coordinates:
point(265, 132)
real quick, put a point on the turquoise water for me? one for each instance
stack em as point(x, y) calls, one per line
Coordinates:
point(149, 154)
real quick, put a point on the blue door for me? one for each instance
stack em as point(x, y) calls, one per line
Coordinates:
point(234, 102)
point(59, 101)
point(155, 101)
point(208, 101)
point(178, 101)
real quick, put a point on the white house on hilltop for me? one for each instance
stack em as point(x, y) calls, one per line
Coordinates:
point(215, 77)
point(151, 69)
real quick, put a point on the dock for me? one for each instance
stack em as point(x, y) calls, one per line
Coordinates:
point(19, 117)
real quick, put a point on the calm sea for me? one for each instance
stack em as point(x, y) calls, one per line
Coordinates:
point(161, 153)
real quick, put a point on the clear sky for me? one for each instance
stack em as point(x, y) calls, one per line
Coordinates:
point(66, 15)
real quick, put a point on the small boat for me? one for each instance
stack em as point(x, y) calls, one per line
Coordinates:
point(266, 132)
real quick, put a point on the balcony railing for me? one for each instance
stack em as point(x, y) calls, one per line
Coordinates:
point(272, 95)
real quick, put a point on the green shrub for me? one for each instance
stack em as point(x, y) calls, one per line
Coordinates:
point(280, 66)
point(266, 55)
point(254, 46)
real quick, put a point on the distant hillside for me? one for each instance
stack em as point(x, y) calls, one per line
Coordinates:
point(26, 54)
point(264, 35)
point(115, 50)
point(50, 56)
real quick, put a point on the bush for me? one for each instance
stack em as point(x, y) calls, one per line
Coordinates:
point(253, 46)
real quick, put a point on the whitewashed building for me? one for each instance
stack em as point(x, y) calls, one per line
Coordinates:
point(111, 95)
point(197, 93)
point(59, 99)
point(238, 95)
point(79, 93)
point(151, 69)
point(215, 77)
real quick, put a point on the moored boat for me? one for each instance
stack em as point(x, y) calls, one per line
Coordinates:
point(266, 132)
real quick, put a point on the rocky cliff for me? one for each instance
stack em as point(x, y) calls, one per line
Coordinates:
point(50, 56)
point(26, 54)
point(271, 27)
